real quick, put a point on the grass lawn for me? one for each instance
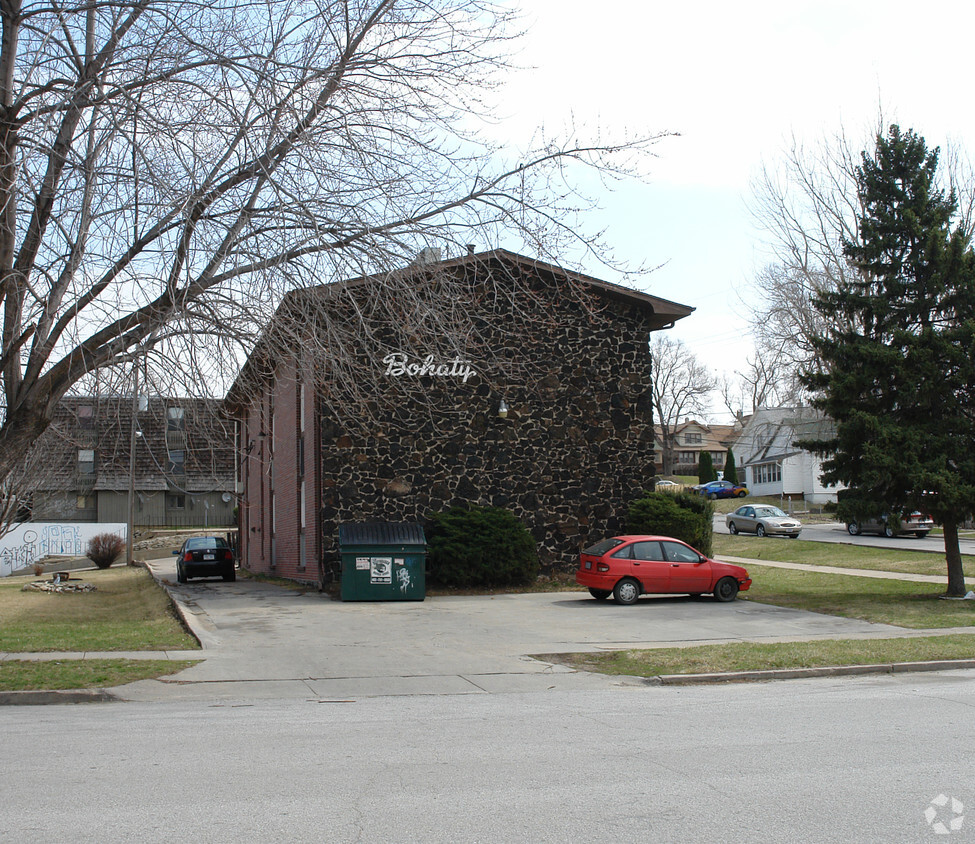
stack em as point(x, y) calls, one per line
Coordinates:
point(835, 554)
point(20, 675)
point(898, 602)
point(127, 612)
point(757, 656)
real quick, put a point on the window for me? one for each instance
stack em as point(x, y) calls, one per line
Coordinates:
point(766, 473)
point(175, 419)
point(687, 457)
point(86, 417)
point(85, 502)
point(175, 501)
point(86, 461)
point(717, 458)
point(301, 455)
point(678, 553)
point(692, 439)
point(177, 462)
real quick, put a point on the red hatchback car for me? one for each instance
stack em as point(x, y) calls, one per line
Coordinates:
point(629, 566)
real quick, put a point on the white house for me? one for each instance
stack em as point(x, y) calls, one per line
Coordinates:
point(773, 464)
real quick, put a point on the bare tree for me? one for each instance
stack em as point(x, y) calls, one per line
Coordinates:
point(757, 385)
point(168, 170)
point(809, 205)
point(681, 386)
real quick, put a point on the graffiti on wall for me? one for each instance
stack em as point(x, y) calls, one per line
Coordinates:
point(25, 544)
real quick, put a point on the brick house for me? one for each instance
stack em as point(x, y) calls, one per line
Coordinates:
point(183, 467)
point(561, 434)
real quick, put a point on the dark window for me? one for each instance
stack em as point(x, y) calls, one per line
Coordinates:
point(602, 546)
point(678, 553)
point(86, 417)
point(175, 501)
point(86, 461)
point(647, 551)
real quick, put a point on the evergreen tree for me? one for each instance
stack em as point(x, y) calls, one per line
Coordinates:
point(730, 470)
point(705, 468)
point(898, 357)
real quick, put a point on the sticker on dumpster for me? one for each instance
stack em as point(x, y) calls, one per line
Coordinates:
point(381, 570)
point(362, 564)
point(399, 561)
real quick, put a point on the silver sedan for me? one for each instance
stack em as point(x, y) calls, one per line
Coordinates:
point(763, 520)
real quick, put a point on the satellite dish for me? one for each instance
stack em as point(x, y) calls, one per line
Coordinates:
point(226, 497)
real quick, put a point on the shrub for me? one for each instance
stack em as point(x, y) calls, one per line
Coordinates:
point(685, 516)
point(480, 546)
point(730, 470)
point(705, 468)
point(104, 549)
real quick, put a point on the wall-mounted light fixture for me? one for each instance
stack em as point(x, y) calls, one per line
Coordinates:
point(503, 410)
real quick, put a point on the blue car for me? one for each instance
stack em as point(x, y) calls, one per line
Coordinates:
point(722, 489)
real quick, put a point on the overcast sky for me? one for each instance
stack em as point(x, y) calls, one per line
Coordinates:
point(737, 81)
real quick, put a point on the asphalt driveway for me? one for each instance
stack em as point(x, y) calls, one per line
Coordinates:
point(269, 641)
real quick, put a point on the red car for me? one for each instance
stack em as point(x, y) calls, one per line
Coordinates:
point(629, 566)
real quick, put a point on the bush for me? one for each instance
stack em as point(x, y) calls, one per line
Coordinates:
point(480, 546)
point(685, 516)
point(104, 549)
point(730, 470)
point(705, 468)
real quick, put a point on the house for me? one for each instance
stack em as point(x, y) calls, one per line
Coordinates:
point(770, 462)
point(690, 439)
point(182, 473)
point(547, 412)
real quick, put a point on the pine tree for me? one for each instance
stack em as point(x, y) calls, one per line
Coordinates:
point(705, 468)
point(898, 376)
point(730, 470)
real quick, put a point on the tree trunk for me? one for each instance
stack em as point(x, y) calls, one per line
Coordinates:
point(956, 577)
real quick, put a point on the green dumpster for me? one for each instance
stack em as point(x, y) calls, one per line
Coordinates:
point(383, 561)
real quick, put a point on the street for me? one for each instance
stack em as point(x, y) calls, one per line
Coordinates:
point(836, 532)
point(850, 759)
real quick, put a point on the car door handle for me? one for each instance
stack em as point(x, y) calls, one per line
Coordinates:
point(675, 565)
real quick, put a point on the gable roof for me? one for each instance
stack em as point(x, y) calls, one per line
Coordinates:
point(771, 432)
point(660, 313)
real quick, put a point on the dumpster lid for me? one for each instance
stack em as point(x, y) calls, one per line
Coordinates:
point(381, 533)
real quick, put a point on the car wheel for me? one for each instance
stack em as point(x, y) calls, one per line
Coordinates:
point(599, 594)
point(920, 534)
point(726, 589)
point(889, 532)
point(853, 528)
point(742, 494)
point(180, 575)
point(230, 575)
point(732, 528)
point(626, 592)
point(712, 495)
point(760, 530)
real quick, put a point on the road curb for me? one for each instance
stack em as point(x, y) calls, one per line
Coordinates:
point(801, 673)
point(43, 697)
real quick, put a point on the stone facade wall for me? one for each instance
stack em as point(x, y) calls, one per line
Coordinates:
point(575, 449)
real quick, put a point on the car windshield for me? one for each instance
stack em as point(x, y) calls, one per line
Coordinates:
point(603, 546)
point(769, 512)
point(204, 543)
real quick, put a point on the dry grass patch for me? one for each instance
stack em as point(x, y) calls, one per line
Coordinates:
point(128, 611)
point(19, 675)
point(754, 656)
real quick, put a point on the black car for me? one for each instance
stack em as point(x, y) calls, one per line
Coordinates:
point(205, 556)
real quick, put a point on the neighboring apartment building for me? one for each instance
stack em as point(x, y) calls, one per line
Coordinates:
point(561, 436)
point(691, 438)
point(771, 463)
point(183, 467)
